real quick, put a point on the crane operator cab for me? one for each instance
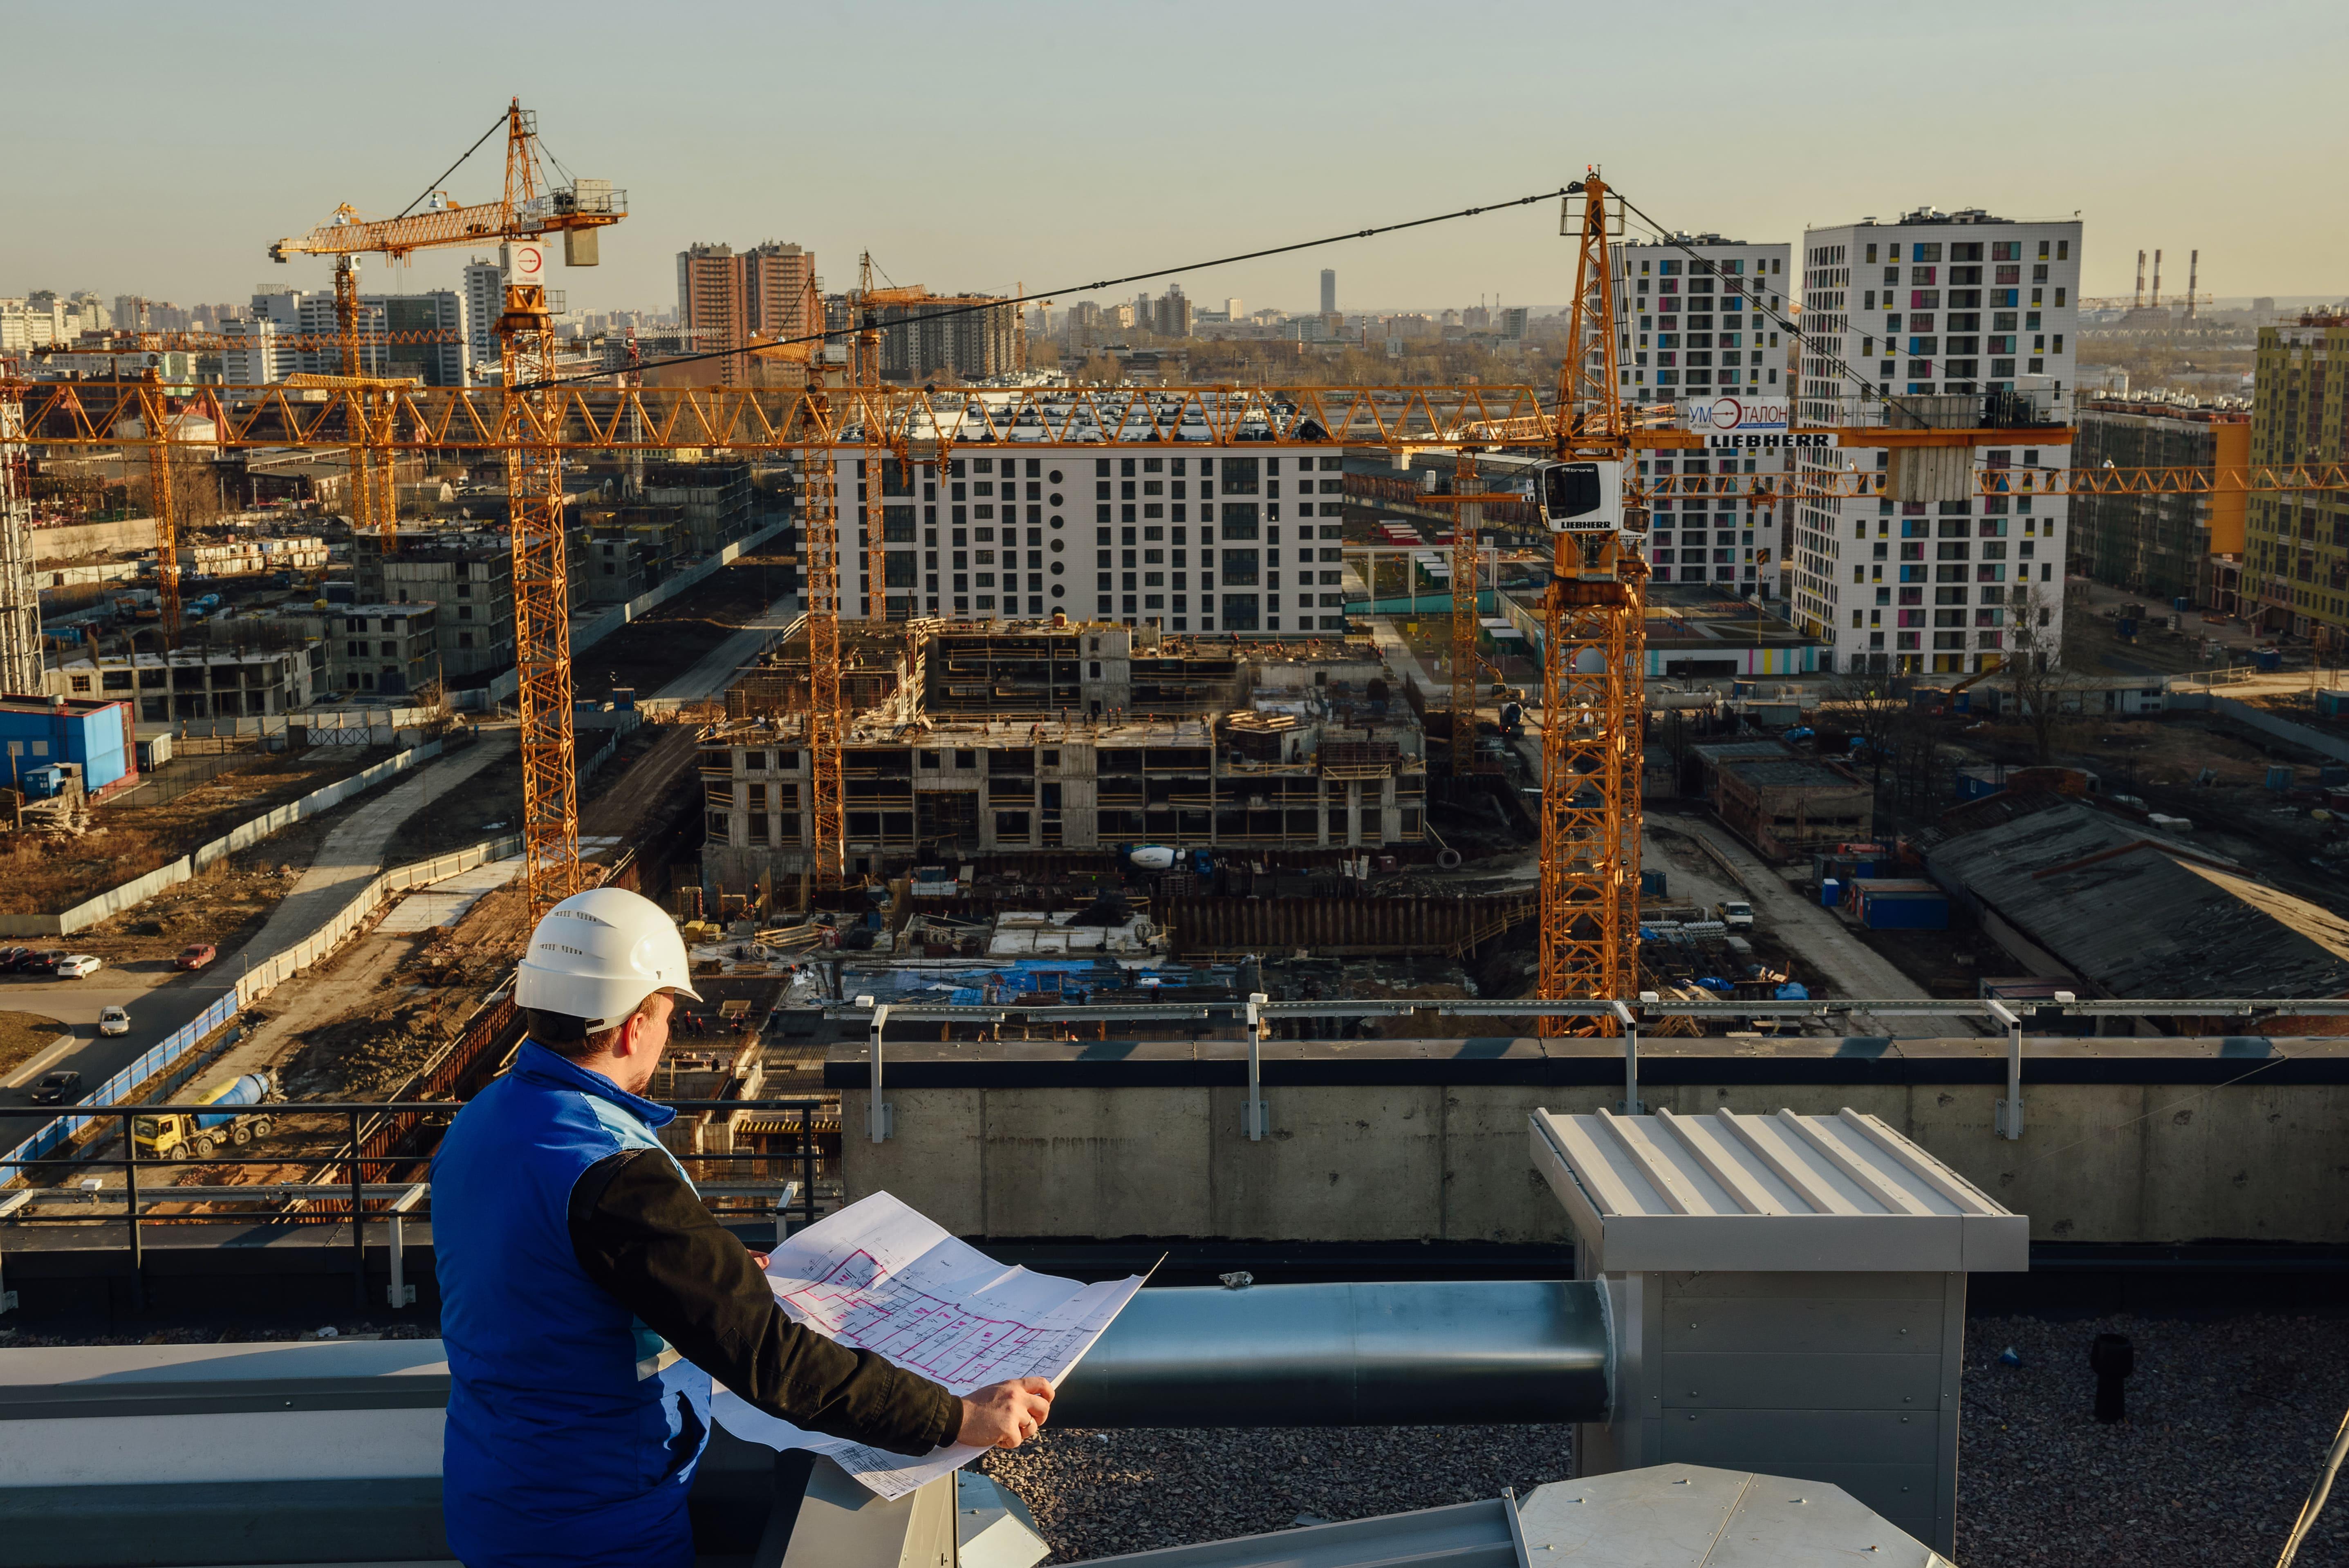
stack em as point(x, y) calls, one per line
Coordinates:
point(1581, 499)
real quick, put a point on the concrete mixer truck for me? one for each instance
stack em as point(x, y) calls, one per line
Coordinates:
point(237, 1113)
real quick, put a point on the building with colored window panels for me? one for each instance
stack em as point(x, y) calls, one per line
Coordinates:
point(1700, 323)
point(1956, 320)
point(2296, 544)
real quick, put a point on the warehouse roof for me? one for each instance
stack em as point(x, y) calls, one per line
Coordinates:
point(2140, 914)
point(1791, 773)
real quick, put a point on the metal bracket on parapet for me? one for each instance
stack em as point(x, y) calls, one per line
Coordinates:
point(879, 1119)
point(2006, 1115)
point(1254, 1120)
point(1630, 1022)
point(400, 1292)
point(9, 1204)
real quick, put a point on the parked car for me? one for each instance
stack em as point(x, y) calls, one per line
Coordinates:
point(197, 956)
point(114, 1020)
point(10, 957)
point(59, 1088)
point(1736, 915)
point(44, 961)
point(74, 965)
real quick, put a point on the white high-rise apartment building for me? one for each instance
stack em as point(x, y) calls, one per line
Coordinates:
point(1206, 539)
point(1700, 324)
point(1956, 320)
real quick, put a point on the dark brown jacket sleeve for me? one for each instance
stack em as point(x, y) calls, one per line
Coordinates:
point(641, 1233)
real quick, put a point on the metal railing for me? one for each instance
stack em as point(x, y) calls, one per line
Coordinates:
point(1627, 1015)
point(343, 1194)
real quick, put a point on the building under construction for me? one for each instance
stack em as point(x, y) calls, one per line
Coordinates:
point(992, 740)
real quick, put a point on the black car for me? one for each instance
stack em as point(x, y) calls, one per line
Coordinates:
point(41, 963)
point(10, 957)
point(59, 1088)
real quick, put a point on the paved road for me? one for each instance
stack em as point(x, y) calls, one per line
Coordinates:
point(161, 998)
point(716, 673)
point(1842, 959)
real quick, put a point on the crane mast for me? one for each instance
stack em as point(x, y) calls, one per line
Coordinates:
point(1594, 651)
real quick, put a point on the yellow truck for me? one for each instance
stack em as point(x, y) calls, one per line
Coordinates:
point(242, 1115)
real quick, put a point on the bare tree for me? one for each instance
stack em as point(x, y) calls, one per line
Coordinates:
point(2034, 669)
point(1870, 708)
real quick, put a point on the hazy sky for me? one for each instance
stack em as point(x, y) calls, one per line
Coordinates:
point(160, 148)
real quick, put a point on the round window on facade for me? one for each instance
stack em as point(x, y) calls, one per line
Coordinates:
point(1059, 591)
point(1060, 544)
point(1057, 521)
point(1056, 480)
point(1058, 567)
point(1056, 499)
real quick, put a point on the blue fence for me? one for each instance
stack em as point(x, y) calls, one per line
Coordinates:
point(122, 1086)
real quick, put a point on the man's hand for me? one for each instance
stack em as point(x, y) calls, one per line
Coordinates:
point(1005, 1414)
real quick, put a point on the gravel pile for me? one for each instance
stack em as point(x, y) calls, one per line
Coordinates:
point(2228, 1423)
point(1097, 1493)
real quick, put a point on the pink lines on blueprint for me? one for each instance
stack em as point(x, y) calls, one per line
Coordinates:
point(860, 1305)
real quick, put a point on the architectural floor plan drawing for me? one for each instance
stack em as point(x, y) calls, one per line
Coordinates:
point(879, 1276)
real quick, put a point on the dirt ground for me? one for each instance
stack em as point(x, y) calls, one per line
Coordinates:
point(648, 654)
point(23, 1034)
point(488, 804)
point(1949, 964)
point(134, 838)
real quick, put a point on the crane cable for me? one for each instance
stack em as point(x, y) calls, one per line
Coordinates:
point(497, 126)
point(1042, 294)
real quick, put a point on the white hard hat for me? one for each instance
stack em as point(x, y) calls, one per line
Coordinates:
point(599, 954)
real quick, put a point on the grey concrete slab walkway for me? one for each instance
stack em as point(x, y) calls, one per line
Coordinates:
point(714, 673)
point(353, 853)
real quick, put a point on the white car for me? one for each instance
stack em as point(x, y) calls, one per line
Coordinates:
point(114, 1020)
point(74, 965)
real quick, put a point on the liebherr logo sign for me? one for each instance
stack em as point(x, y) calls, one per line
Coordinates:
point(1747, 424)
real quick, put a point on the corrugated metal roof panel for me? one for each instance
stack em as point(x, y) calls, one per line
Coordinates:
point(1768, 1193)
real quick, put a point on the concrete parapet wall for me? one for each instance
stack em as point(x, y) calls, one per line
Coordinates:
point(2129, 1141)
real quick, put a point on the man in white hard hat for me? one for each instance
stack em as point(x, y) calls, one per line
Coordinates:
point(588, 1298)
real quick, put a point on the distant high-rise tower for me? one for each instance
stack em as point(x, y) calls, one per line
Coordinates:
point(709, 304)
point(1328, 291)
point(776, 279)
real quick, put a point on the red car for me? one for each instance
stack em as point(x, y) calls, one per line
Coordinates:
point(197, 956)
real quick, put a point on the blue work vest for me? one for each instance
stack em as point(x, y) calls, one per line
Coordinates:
point(573, 1429)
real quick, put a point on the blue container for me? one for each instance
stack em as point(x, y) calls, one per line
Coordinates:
point(2278, 779)
point(2332, 704)
point(1906, 912)
point(1653, 882)
point(2181, 604)
point(1830, 893)
point(2268, 658)
point(2125, 626)
point(2331, 776)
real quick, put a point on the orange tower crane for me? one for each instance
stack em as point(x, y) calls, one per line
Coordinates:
point(1594, 653)
point(530, 430)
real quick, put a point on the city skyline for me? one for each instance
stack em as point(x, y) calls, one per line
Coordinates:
point(2036, 153)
